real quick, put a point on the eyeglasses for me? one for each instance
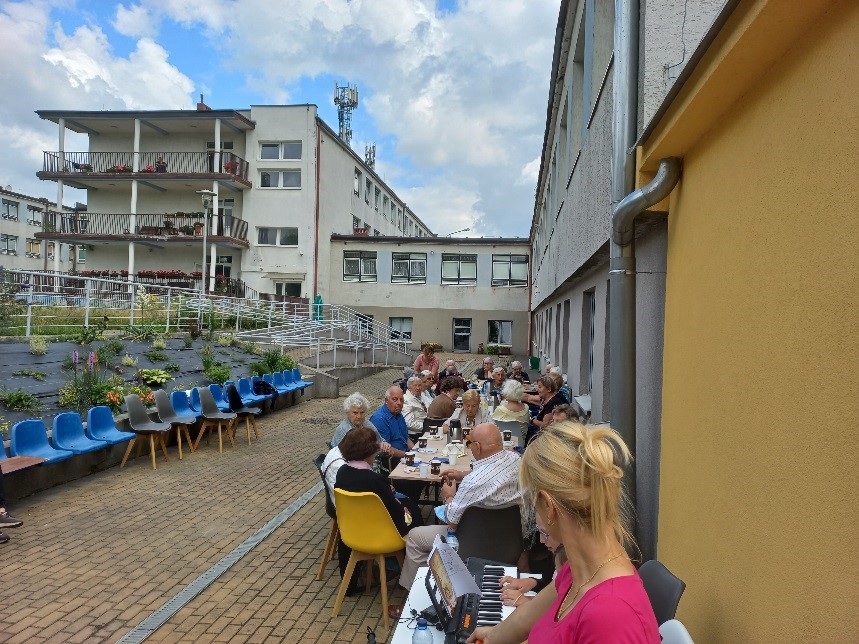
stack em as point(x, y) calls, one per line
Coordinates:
point(543, 533)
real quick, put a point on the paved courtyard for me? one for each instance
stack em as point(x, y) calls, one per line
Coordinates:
point(98, 556)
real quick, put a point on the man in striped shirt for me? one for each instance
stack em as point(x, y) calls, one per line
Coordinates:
point(494, 482)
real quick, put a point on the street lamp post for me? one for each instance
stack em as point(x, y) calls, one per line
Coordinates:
point(206, 196)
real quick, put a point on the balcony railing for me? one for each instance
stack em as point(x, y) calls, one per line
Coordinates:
point(166, 226)
point(152, 164)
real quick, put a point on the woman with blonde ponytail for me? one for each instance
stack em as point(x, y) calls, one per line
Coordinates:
point(571, 476)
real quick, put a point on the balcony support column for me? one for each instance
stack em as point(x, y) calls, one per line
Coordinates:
point(132, 228)
point(217, 157)
point(135, 158)
point(62, 145)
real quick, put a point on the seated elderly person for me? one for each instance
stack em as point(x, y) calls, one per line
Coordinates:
point(512, 408)
point(563, 388)
point(444, 404)
point(359, 448)
point(518, 373)
point(428, 394)
point(470, 414)
point(356, 407)
point(414, 407)
point(408, 372)
point(448, 371)
point(547, 390)
point(494, 482)
point(483, 372)
point(492, 387)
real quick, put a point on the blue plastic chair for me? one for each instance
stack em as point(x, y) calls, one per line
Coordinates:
point(30, 438)
point(247, 393)
point(69, 434)
point(281, 384)
point(101, 426)
point(269, 378)
point(254, 380)
point(195, 404)
point(218, 395)
point(296, 377)
point(289, 381)
point(179, 400)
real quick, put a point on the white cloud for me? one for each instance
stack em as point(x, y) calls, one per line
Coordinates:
point(135, 21)
point(529, 174)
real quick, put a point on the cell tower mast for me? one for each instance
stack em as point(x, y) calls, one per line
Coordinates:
point(370, 156)
point(346, 100)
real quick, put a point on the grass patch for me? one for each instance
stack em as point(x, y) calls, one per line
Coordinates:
point(38, 375)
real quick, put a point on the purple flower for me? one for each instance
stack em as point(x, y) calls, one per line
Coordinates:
point(75, 358)
point(91, 360)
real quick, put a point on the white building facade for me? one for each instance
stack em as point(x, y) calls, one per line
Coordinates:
point(21, 218)
point(280, 182)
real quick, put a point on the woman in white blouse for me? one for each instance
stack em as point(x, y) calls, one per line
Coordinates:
point(470, 414)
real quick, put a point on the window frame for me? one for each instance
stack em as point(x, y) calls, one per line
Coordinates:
point(511, 260)
point(408, 258)
point(280, 174)
point(361, 256)
point(7, 206)
point(5, 249)
point(448, 258)
point(33, 248)
point(499, 332)
point(277, 236)
point(397, 334)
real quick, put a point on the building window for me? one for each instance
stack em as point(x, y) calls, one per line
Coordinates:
point(356, 222)
point(277, 236)
point(393, 212)
point(409, 268)
point(368, 188)
point(509, 270)
point(224, 265)
point(377, 197)
point(376, 233)
point(400, 219)
point(34, 248)
point(291, 289)
point(385, 206)
point(500, 332)
point(459, 269)
point(359, 266)
point(51, 250)
point(280, 179)
point(284, 151)
point(8, 244)
point(10, 209)
point(356, 188)
point(81, 250)
point(401, 328)
point(34, 215)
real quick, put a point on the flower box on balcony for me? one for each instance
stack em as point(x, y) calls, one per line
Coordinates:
point(361, 232)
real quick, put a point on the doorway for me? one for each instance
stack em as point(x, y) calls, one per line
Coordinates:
point(462, 334)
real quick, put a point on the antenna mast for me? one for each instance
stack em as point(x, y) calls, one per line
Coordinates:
point(346, 100)
point(370, 156)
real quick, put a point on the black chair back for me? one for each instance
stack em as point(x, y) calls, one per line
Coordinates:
point(663, 589)
point(505, 526)
point(433, 422)
point(329, 504)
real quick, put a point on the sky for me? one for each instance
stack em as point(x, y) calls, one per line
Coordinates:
point(453, 93)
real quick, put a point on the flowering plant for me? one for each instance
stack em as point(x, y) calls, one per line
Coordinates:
point(115, 398)
point(89, 386)
point(148, 168)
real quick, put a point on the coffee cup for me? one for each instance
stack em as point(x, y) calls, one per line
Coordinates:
point(422, 442)
point(433, 430)
point(410, 458)
point(508, 435)
point(424, 469)
point(435, 467)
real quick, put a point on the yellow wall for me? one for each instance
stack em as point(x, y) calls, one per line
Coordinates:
point(758, 498)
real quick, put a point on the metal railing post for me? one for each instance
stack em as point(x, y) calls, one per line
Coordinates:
point(356, 355)
point(318, 348)
point(29, 312)
point(133, 300)
point(167, 324)
point(86, 302)
point(387, 349)
point(335, 353)
point(239, 316)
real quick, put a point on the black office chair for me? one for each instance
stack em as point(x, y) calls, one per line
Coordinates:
point(429, 423)
point(505, 526)
point(663, 589)
point(331, 543)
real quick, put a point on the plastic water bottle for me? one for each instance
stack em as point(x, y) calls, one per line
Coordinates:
point(452, 541)
point(422, 634)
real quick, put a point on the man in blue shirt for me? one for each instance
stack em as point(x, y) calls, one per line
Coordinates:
point(392, 425)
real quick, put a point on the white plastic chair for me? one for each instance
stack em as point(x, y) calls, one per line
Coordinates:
point(673, 632)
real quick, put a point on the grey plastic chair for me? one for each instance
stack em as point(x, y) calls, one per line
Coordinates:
point(241, 410)
point(505, 526)
point(143, 426)
point(214, 417)
point(663, 589)
point(167, 414)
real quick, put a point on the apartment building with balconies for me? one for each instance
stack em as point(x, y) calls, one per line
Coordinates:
point(279, 182)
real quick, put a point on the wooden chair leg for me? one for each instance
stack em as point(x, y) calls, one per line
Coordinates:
point(341, 592)
point(220, 439)
point(368, 574)
point(384, 583)
point(179, 440)
point(163, 445)
point(248, 428)
point(253, 420)
point(152, 450)
point(128, 451)
point(139, 449)
point(204, 428)
point(188, 438)
point(328, 554)
point(231, 431)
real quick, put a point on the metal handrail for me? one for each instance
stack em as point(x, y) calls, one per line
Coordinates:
point(149, 163)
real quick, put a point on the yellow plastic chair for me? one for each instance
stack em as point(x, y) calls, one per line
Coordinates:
point(367, 528)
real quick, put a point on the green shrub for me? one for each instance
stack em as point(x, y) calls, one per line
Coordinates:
point(92, 332)
point(142, 332)
point(188, 341)
point(5, 425)
point(435, 345)
point(129, 361)
point(172, 367)
point(38, 345)
point(272, 360)
point(38, 375)
point(159, 344)
point(19, 400)
point(226, 339)
point(155, 356)
point(114, 345)
point(153, 376)
point(207, 357)
point(218, 373)
point(492, 350)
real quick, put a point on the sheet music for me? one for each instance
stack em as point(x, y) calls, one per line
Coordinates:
point(461, 581)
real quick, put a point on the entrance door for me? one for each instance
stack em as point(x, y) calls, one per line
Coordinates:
point(462, 334)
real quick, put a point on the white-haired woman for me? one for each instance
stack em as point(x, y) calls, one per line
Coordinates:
point(428, 394)
point(518, 373)
point(512, 408)
point(470, 414)
point(356, 407)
